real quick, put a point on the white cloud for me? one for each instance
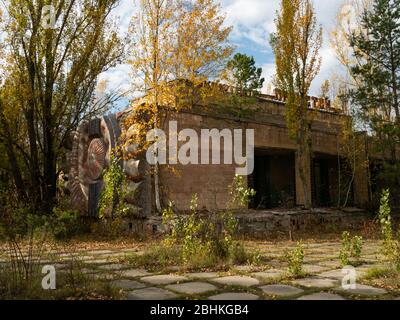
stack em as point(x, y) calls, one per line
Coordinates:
point(268, 74)
point(251, 19)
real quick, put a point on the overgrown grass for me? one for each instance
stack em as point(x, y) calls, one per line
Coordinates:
point(161, 256)
point(71, 284)
point(388, 278)
point(198, 242)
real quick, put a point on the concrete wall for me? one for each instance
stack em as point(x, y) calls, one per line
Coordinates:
point(211, 182)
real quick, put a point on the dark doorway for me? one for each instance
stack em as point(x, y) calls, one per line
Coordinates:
point(331, 187)
point(273, 179)
point(321, 194)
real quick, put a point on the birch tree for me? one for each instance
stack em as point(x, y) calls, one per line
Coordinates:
point(177, 46)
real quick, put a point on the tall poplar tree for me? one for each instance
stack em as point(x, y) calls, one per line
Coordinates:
point(296, 46)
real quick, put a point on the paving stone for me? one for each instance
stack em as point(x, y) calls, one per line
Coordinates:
point(316, 282)
point(83, 258)
point(104, 276)
point(60, 266)
point(268, 274)
point(112, 267)
point(96, 261)
point(133, 273)
point(174, 268)
point(151, 294)
point(67, 259)
point(202, 275)
point(231, 296)
point(338, 275)
point(113, 255)
point(99, 251)
point(332, 274)
point(329, 263)
point(276, 264)
point(88, 271)
point(319, 257)
point(127, 284)
point(313, 268)
point(315, 245)
point(242, 281)
point(369, 259)
point(365, 290)
point(163, 279)
point(131, 250)
point(366, 267)
point(245, 268)
point(192, 287)
point(66, 255)
point(321, 296)
point(281, 290)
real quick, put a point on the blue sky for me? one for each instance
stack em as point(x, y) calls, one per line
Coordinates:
point(253, 22)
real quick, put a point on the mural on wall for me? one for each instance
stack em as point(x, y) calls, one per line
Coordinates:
point(92, 147)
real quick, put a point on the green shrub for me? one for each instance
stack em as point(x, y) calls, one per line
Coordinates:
point(238, 254)
point(66, 223)
point(351, 248)
point(356, 247)
point(390, 246)
point(385, 221)
point(209, 238)
point(109, 228)
point(345, 252)
point(295, 258)
point(156, 256)
point(112, 197)
point(240, 195)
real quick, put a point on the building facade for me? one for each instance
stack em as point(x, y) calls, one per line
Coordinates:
point(275, 177)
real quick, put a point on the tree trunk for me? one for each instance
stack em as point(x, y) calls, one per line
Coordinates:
point(12, 158)
point(303, 159)
point(49, 170)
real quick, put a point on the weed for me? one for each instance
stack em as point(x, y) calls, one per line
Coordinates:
point(295, 258)
point(351, 248)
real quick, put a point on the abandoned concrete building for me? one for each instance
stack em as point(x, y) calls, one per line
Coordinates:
point(275, 177)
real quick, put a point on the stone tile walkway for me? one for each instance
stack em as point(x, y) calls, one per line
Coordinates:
point(271, 281)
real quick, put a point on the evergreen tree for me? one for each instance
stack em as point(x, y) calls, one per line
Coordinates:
point(244, 75)
point(377, 50)
point(377, 71)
